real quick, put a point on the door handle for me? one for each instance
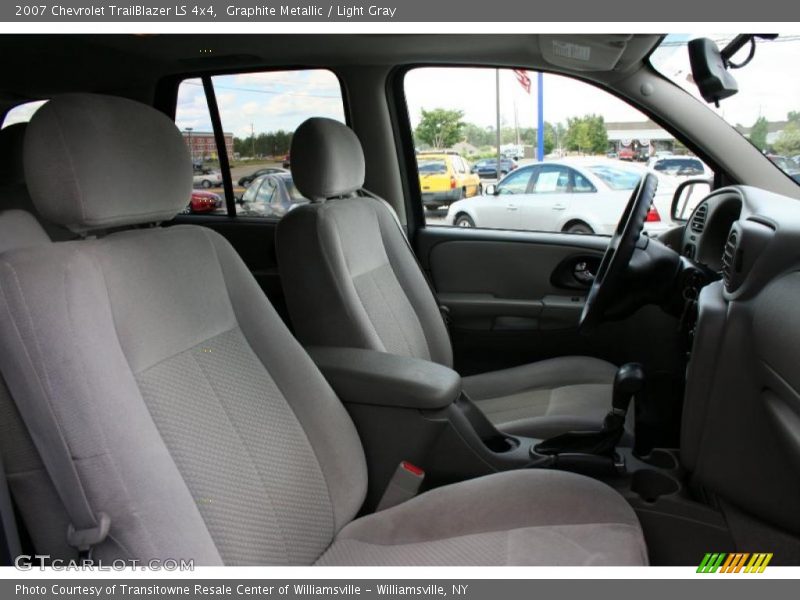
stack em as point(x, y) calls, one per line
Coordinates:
point(511, 207)
point(559, 206)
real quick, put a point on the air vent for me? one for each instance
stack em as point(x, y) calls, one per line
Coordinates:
point(730, 259)
point(699, 218)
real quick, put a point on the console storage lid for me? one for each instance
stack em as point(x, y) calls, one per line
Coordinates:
point(368, 377)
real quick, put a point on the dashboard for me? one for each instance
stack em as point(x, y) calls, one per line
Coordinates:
point(746, 234)
point(742, 397)
point(708, 228)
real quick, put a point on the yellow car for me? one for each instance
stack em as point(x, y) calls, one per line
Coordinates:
point(445, 177)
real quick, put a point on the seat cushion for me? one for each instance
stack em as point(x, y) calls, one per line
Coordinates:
point(532, 517)
point(545, 398)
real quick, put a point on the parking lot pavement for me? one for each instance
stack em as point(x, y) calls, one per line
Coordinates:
point(435, 217)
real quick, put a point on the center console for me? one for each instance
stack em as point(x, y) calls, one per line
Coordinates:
point(413, 410)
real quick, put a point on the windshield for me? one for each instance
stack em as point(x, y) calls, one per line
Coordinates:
point(616, 179)
point(766, 110)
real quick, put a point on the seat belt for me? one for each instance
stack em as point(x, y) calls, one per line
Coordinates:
point(10, 546)
point(403, 485)
point(86, 528)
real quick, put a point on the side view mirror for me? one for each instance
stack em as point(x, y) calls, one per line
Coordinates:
point(491, 190)
point(687, 196)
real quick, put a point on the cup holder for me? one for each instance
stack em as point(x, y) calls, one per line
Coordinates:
point(651, 485)
point(662, 459)
point(501, 443)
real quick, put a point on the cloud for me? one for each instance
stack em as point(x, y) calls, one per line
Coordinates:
point(263, 102)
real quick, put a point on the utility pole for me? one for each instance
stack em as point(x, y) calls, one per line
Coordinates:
point(540, 124)
point(497, 85)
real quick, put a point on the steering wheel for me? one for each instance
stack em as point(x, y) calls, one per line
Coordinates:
point(610, 275)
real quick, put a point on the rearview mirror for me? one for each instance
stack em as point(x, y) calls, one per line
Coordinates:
point(687, 196)
point(491, 190)
point(710, 72)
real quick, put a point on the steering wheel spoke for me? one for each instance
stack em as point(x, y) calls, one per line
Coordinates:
point(608, 282)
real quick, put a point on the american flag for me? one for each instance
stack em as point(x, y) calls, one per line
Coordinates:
point(523, 79)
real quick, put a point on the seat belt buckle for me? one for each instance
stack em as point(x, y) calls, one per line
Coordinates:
point(83, 540)
point(403, 485)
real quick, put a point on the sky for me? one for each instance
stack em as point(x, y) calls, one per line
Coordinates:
point(769, 86)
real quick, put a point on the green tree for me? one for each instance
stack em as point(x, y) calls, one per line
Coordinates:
point(586, 134)
point(441, 128)
point(272, 143)
point(758, 133)
point(788, 141)
point(477, 135)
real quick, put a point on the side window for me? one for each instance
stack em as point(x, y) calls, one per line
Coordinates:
point(516, 183)
point(583, 141)
point(552, 180)
point(259, 113)
point(581, 185)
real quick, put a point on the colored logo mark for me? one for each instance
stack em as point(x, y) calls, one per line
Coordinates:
point(737, 562)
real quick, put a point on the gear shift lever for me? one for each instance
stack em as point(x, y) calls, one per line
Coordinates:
point(628, 382)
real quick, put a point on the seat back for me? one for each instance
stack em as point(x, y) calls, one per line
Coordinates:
point(14, 193)
point(194, 419)
point(348, 273)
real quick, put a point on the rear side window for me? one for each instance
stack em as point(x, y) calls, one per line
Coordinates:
point(258, 113)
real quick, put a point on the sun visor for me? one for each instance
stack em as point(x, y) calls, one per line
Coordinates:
point(583, 53)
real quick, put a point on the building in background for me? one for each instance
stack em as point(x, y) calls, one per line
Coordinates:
point(639, 139)
point(203, 146)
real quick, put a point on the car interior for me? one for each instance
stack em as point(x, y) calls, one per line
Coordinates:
point(352, 385)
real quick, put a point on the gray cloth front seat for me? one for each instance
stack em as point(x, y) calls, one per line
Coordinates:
point(14, 193)
point(351, 279)
point(192, 417)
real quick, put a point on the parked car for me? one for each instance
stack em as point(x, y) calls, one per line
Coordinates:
point(554, 196)
point(203, 202)
point(683, 166)
point(207, 178)
point(287, 161)
point(270, 195)
point(786, 164)
point(445, 177)
point(627, 154)
point(487, 168)
point(248, 179)
point(659, 155)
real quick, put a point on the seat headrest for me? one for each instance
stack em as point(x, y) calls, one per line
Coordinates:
point(327, 159)
point(11, 138)
point(95, 162)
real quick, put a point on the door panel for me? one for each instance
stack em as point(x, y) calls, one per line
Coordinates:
point(514, 298)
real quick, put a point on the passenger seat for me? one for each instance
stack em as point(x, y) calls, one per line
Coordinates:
point(194, 424)
point(14, 193)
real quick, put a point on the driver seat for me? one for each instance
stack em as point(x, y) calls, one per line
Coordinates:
point(351, 279)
